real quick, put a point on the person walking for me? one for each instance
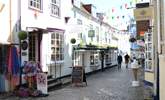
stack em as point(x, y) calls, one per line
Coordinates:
point(119, 60)
point(135, 68)
point(126, 60)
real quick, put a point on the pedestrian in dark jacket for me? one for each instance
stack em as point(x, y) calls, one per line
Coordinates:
point(119, 60)
point(126, 60)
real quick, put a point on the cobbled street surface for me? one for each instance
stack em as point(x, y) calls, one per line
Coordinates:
point(112, 84)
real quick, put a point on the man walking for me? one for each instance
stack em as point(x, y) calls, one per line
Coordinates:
point(119, 60)
point(126, 60)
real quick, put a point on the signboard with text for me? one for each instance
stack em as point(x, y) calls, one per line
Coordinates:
point(42, 83)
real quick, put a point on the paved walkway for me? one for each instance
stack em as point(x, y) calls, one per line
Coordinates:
point(112, 84)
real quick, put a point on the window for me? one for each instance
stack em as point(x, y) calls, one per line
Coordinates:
point(94, 58)
point(57, 46)
point(80, 36)
point(79, 21)
point(55, 8)
point(97, 34)
point(35, 4)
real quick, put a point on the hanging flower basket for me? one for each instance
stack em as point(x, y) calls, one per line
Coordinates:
point(22, 35)
point(73, 40)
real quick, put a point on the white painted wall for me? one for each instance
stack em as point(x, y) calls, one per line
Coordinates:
point(6, 20)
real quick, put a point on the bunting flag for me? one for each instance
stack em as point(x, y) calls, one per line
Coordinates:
point(126, 5)
point(131, 3)
point(113, 10)
point(121, 7)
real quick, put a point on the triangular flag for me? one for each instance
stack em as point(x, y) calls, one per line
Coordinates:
point(121, 7)
point(123, 16)
point(126, 5)
point(131, 3)
point(112, 10)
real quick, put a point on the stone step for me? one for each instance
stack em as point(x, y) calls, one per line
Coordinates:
point(54, 85)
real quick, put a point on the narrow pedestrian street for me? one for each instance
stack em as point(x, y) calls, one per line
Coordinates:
point(109, 85)
point(112, 84)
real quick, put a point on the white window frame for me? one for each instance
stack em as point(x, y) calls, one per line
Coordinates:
point(36, 4)
point(57, 43)
point(94, 58)
point(55, 8)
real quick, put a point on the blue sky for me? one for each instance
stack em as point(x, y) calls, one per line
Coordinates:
point(115, 18)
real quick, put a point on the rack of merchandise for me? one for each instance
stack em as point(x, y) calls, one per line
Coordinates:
point(148, 51)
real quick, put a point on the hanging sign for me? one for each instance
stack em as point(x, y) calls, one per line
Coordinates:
point(143, 13)
point(24, 45)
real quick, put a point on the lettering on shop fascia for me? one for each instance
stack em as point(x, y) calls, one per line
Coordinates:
point(143, 17)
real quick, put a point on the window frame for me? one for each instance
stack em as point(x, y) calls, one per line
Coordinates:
point(57, 42)
point(58, 5)
point(35, 7)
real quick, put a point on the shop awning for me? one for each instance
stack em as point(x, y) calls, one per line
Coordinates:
point(92, 47)
point(54, 29)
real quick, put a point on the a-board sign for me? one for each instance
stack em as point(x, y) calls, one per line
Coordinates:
point(42, 83)
point(77, 75)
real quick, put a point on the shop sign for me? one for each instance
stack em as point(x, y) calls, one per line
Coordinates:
point(143, 13)
point(24, 45)
point(42, 83)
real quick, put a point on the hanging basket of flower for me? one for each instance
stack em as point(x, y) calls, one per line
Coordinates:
point(22, 35)
point(73, 40)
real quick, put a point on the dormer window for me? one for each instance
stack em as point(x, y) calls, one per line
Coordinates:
point(55, 8)
point(35, 4)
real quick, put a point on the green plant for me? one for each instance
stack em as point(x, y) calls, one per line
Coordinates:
point(73, 40)
point(22, 35)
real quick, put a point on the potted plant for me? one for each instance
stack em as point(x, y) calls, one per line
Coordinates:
point(22, 35)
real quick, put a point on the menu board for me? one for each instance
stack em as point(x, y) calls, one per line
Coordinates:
point(77, 75)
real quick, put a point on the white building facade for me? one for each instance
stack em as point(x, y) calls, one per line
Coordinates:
point(51, 24)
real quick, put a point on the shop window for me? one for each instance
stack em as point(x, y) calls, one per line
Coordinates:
point(57, 46)
point(94, 58)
